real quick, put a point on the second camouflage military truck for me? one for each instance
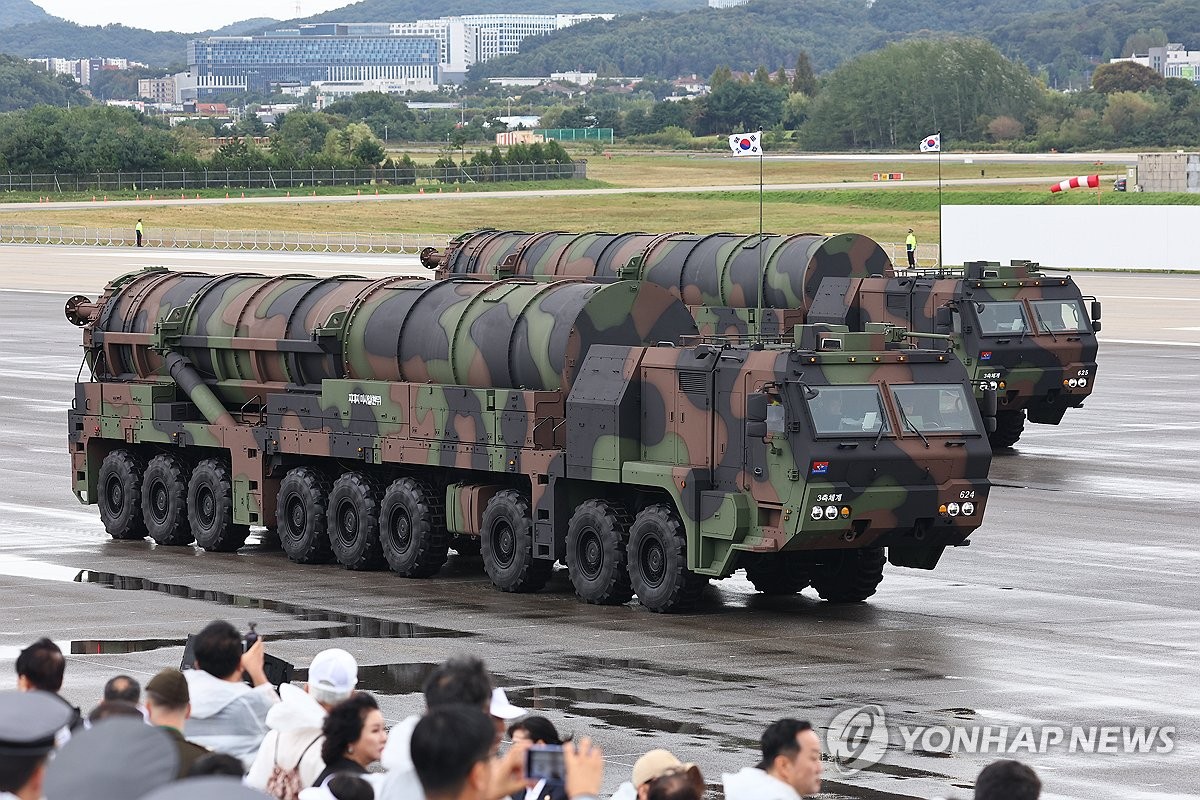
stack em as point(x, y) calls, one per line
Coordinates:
point(1022, 333)
point(380, 423)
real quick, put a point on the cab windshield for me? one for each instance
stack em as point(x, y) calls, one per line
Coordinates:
point(1060, 316)
point(1002, 317)
point(934, 408)
point(848, 411)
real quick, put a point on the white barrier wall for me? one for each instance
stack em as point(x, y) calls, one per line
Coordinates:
point(1140, 237)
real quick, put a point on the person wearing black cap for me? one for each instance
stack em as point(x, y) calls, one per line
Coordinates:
point(41, 666)
point(29, 723)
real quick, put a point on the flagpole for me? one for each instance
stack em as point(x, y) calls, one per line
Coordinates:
point(762, 278)
point(939, 200)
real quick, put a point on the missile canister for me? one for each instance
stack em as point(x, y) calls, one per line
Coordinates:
point(719, 269)
point(248, 335)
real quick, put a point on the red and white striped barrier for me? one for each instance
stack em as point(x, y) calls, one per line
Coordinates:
point(1083, 181)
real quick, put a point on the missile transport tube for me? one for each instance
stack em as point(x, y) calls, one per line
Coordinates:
point(248, 335)
point(721, 269)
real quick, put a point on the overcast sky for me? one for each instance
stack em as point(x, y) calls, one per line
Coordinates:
point(186, 17)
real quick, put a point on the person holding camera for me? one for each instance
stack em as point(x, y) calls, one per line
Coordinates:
point(535, 730)
point(227, 715)
point(454, 752)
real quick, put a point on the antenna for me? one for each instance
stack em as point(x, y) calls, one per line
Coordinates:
point(298, 13)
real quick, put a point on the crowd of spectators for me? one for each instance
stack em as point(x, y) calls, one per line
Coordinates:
point(221, 730)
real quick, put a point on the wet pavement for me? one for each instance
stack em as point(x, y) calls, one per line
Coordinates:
point(1076, 604)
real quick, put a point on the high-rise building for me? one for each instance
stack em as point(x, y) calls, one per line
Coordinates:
point(322, 52)
point(502, 34)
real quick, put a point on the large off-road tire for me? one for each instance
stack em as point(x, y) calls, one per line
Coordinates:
point(412, 529)
point(119, 495)
point(353, 522)
point(300, 516)
point(596, 553)
point(1009, 427)
point(657, 554)
point(507, 545)
point(847, 576)
point(779, 573)
point(164, 500)
point(210, 508)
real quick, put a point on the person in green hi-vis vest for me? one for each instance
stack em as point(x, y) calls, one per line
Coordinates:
point(137, 229)
point(910, 244)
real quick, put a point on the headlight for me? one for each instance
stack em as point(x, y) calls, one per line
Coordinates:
point(952, 509)
point(817, 512)
point(1082, 382)
point(968, 509)
point(831, 512)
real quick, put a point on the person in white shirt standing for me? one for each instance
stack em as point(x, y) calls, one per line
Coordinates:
point(790, 766)
point(294, 739)
point(227, 715)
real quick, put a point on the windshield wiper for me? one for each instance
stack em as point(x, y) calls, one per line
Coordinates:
point(1024, 330)
point(904, 418)
point(882, 420)
point(1042, 322)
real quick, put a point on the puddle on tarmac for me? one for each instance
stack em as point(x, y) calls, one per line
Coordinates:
point(346, 625)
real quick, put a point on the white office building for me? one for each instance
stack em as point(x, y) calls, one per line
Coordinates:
point(502, 34)
point(1170, 61)
point(458, 43)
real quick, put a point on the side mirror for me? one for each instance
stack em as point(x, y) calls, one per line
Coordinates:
point(943, 319)
point(988, 408)
point(756, 430)
point(1095, 326)
point(1095, 311)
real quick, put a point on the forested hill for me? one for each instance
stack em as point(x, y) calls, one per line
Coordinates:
point(1061, 37)
point(20, 12)
point(23, 85)
point(407, 10)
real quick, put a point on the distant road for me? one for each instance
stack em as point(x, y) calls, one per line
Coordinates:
point(531, 193)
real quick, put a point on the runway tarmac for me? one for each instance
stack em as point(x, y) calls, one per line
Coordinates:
point(1074, 606)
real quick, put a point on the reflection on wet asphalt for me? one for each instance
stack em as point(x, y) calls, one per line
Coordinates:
point(1075, 605)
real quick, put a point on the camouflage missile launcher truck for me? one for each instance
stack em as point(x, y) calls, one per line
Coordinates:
point(1020, 332)
point(380, 423)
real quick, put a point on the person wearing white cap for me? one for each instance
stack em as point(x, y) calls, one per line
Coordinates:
point(293, 743)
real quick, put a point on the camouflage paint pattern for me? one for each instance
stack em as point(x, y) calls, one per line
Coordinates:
point(1038, 370)
point(739, 288)
point(558, 388)
point(719, 269)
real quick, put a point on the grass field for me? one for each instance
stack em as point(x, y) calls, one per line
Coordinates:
point(884, 214)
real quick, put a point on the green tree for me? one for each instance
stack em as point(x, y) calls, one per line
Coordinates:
point(893, 97)
point(804, 81)
point(1125, 76)
point(300, 138)
point(720, 76)
point(23, 85)
point(736, 106)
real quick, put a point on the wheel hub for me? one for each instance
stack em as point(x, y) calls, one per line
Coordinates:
point(401, 530)
point(207, 506)
point(349, 523)
point(505, 542)
point(654, 562)
point(158, 495)
point(115, 493)
point(591, 554)
point(296, 516)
